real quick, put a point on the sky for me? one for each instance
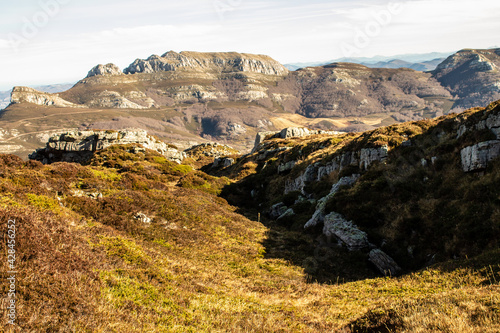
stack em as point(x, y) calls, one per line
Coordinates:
point(59, 41)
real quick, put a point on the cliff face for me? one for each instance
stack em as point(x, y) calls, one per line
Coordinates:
point(208, 62)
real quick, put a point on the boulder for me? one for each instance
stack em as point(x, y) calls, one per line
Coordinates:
point(277, 210)
point(142, 218)
point(336, 225)
point(286, 166)
point(385, 264)
point(286, 215)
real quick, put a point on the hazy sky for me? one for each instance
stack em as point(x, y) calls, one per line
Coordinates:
point(56, 41)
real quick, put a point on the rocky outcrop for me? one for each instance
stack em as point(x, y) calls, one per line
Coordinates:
point(211, 149)
point(108, 69)
point(221, 62)
point(294, 132)
point(476, 157)
point(336, 225)
point(79, 146)
point(33, 96)
point(385, 264)
point(287, 133)
point(113, 99)
point(223, 162)
point(361, 159)
point(277, 210)
point(319, 214)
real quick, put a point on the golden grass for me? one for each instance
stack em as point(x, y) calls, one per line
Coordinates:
point(88, 266)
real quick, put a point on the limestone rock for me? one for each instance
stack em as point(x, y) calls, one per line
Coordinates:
point(476, 157)
point(294, 132)
point(336, 225)
point(33, 96)
point(286, 166)
point(319, 214)
point(260, 137)
point(108, 69)
point(79, 146)
point(277, 210)
point(221, 62)
point(370, 155)
point(113, 99)
point(223, 161)
point(286, 215)
point(142, 218)
point(385, 264)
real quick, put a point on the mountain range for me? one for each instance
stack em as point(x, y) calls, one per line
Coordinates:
point(398, 61)
point(193, 97)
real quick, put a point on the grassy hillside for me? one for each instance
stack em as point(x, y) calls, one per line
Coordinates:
point(134, 243)
point(418, 204)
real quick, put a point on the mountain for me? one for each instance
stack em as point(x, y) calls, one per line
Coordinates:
point(402, 233)
point(472, 76)
point(406, 60)
point(424, 66)
point(53, 88)
point(192, 97)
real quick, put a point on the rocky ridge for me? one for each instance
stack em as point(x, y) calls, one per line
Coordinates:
point(33, 96)
point(373, 192)
point(207, 62)
point(79, 146)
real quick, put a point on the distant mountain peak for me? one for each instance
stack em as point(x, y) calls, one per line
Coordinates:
point(220, 62)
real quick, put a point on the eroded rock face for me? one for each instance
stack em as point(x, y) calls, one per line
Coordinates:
point(108, 69)
point(79, 146)
point(112, 99)
point(476, 157)
point(220, 62)
point(362, 159)
point(33, 96)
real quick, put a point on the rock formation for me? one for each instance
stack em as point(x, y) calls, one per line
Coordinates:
point(79, 146)
point(319, 214)
point(385, 264)
point(33, 96)
point(221, 62)
point(476, 157)
point(108, 69)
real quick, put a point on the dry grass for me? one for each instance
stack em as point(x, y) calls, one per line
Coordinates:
point(87, 265)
